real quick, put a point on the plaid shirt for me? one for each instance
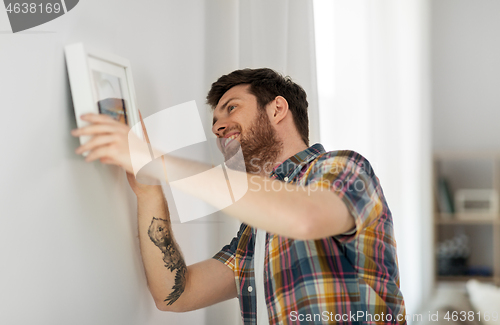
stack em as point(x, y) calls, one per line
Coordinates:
point(351, 278)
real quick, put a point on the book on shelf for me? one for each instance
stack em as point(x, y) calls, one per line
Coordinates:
point(445, 200)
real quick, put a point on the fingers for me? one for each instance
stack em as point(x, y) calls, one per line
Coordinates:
point(108, 161)
point(108, 143)
point(110, 154)
point(95, 142)
point(100, 123)
point(96, 129)
point(98, 118)
point(103, 152)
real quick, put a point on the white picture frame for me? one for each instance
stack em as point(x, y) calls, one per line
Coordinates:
point(476, 203)
point(100, 82)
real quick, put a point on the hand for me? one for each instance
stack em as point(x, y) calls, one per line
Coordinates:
point(109, 142)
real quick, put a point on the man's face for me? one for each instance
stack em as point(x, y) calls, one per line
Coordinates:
point(239, 120)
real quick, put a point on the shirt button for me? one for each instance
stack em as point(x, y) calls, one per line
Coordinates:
point(250, 289)
point(286, 179)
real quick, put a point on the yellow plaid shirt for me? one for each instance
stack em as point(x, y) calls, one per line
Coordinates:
point(352, 278)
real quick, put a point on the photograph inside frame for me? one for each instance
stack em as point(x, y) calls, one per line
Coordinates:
point(109, 93)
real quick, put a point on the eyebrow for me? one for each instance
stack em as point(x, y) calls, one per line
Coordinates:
point(222, 108)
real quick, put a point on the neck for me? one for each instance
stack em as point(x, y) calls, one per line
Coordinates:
point(289, 149)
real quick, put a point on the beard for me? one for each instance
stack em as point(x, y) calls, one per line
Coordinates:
point(260, 148)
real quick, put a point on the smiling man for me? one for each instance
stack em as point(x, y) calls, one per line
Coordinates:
point(316, 243)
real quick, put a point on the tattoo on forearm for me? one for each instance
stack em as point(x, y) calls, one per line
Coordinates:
point(159, 232)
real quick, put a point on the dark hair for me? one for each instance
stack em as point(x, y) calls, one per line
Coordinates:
point(265, 85)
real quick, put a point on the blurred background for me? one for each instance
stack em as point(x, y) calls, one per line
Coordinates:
point(411, 85)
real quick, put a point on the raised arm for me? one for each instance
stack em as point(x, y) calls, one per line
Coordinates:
point(173, 285)
point(293, 211)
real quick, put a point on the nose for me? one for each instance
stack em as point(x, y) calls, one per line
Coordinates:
point(219, 127)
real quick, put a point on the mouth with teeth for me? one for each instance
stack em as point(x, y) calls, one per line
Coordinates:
point(228, 139)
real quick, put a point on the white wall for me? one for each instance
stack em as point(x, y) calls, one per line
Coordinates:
point(466, 74)
point(68, 246)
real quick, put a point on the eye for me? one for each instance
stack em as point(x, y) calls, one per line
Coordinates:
point(230, 108)
point(160, 228)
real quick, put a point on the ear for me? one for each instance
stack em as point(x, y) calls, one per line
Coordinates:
point(280, 109)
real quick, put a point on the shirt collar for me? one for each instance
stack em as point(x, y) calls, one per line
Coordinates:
point(286, 168)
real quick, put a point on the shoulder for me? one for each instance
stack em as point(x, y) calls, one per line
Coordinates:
point(338, 161)
point(341, 155)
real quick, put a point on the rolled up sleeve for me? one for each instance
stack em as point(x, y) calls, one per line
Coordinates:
point(350, 176)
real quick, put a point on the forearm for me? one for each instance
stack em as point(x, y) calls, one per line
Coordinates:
point(163, 262)
point(289, 210)
point(301, 212)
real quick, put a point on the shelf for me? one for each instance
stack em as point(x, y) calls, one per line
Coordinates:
point(457, 219)
point(460, 154)
point(478, 169)
point(465, 278)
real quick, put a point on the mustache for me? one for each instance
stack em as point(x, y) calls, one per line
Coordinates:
point(220, 141)
point(231, 130)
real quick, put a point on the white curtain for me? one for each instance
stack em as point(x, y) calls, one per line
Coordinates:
point(373, 90)
point(275, 34)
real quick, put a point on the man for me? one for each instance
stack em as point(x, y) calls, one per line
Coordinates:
point(316, 244)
